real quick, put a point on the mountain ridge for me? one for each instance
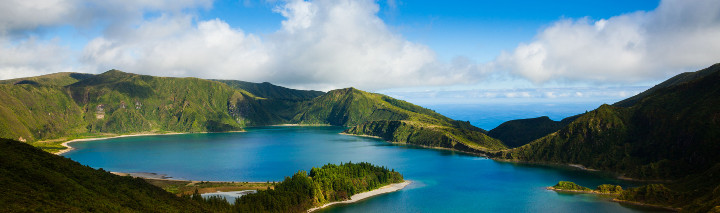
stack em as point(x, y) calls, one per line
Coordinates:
point(116, 102)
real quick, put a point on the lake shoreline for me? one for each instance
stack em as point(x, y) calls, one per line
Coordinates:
point(364, 195)
point(633, 203)
point(477, 154)
point(69, 148)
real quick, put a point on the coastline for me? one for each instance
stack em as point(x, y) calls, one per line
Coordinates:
point(360, 196)
point(301, 125)
point(634, 203)
point(627, 202)
point(69, 148)
point(423, 146)
point(579, 191)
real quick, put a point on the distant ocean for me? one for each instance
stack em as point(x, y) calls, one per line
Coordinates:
point(491, 115)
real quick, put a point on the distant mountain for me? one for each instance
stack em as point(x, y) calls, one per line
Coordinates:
point(393, 120)
point(281, 101)
point(519, 132)
point(271, 91)
point(36, 181)
point(671, 133)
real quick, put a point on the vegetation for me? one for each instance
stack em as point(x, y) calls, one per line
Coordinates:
point(516, 133)
point(281, 101)
point(601, 189)
point(609, 189)
point(48, 110)
point(570, 186)
point(669, 134)
point(56, 79)
point(270, 91)
point(32, 180)
point(393, 120)
point(303, 191)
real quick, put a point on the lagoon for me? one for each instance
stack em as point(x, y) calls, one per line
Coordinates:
point(443, 181)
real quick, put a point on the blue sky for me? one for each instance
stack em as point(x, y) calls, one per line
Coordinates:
point(476, 29)
point(407, 48)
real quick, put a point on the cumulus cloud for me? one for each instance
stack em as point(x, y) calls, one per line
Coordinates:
point(31, 57)
point(344, 43)
point(23, 51)
point(175, 46)
point(327, 44)
point(678, 35)
point(323, 44)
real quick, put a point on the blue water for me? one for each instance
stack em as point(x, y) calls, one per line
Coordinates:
point(491, 115)
point(443, 181)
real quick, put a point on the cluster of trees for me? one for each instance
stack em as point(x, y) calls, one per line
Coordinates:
point(303, 191)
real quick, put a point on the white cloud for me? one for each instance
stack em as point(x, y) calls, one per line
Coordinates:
point(678, 35)
point(174, 46)
point(323, 44)
point(31, 57)
point(326, 44)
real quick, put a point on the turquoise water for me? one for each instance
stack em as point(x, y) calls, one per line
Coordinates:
point(443, 181)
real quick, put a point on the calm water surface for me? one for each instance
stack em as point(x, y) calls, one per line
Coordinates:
point(443, 181)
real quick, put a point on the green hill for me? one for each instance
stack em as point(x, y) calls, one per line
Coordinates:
point(55, 79)
point(63, 106)
point(271, 91)
point(519, 132)
point(393, 120)
point(282, 102)
point(121, 103)
point(34, 112)
point(669, 134)
point(675, 80)
point(32, 180)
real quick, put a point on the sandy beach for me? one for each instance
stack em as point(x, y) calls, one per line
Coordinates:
point(70, 148)
point(361, 196)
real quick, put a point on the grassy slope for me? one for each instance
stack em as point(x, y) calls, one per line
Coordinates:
point(122, 103)
point(516, 133)
point(32, 112)
point(393, 120)
point(68, 105)
point(282, 102)
point(669, 134)
point(519, 132)
point(36, 181)
point(55, 79)
point(675, 80)
point(270, 91)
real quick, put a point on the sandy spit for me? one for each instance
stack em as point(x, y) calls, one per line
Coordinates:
point(360, 196)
